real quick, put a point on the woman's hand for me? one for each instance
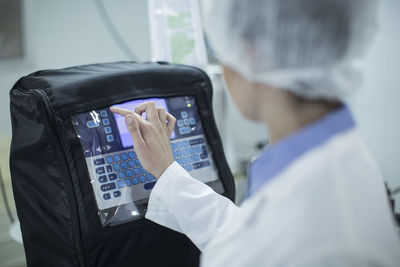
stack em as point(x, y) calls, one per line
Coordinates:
point(150, 136)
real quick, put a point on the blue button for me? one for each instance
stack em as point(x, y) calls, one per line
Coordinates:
point(173, 146)
point(179, 153)
point(121, 175)
point(192, 121)
point(110, 138)
point(197, 149)
point(109, 159)
point(149, 186)
point(107, 196)
point(107, 187)
point(103, 113)
point(131, 164)
point(117, 158)
point(135, 181)
point(184, 114)
point(196, 158)
point(142, 179)
point(117, 193)
point(185, 143)
point(100, 170)
point(129, 173)
point(185, 152)
point(173, 154)
point(99, 161)
point(107, 129)
point(190, 159)
point(92, 124)
point(142, 170)
point(112, 176)
point(149, 177)
point(128, 182)
point(185, 130)
point(183, 161)
point(186, 122)
point(106, 122)
point(109, 168)
point(136, 171)
point(179, 144)
point(137, 162)
point(131, 155)
point(180, 123)
point(120, 184)
point(124, 156)
point(188, 167)
point(191, 150)
point(116, 167)
point(202, 164)
point(103, 179)
point(124, 165)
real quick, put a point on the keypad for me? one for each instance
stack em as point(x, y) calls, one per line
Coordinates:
point(119, 170)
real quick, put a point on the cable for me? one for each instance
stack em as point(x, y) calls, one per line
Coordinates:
point(3, 191)
point(113, 31)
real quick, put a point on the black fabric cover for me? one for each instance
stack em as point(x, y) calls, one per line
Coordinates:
point(55, 201)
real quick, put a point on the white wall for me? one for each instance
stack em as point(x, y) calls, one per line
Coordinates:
point(64, 33)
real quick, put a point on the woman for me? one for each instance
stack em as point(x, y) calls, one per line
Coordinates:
point(316, 197)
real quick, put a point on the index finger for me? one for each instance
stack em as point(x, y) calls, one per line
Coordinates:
point(149, 108)
point(121, 111)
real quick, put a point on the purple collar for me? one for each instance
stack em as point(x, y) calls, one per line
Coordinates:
point(279, 156)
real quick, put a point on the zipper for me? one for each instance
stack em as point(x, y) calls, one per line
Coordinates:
point(42, 96)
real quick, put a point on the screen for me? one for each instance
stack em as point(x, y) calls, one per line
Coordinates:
point(120, 183)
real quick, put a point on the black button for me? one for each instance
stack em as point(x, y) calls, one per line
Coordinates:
point(107, 196)
point(99, 161)
point(109, 168)
point(196, 141)
point(103, 179)
point(112, 177)
point(100, 170)
point(107, 187)
point(149, 186)
point(117, 193)
point(202, 164)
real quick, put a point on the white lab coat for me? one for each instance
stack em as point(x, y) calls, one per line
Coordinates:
point(328, 208)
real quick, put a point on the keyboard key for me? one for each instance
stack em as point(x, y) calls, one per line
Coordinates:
point(99, 161)
point(142, 179)
point(191, 150)
point(185, 143)
point(116, 167)
point(137, 162)
point(179, 145)
point(173, 146)
point(204, 153)
point(117, 193)
point(107, 196)
point(103, 113)
point(117, 158)
point(173, 154)
point(197, 149)
point(189, 167)
point(142, 170)
point(92, 124)
point(184, 114)
point(106, 121)
point(120, 184)
point(129, 173)
point(131, 155)
point(124, 156)
point(185, 152)
point(109, 168)
point(107, 130)
point(124, 165)
point(107, 187)
point(196, 141)
point(103, 179)
point(100, 170)
point(149, 186)
point(189, 159)
point(109, 159)
point(112, 177)
point(136, 171)
point(183, 161)
point(179, 153)
point(186, 122)
point(202, 164)
point(185, 130)
point(149, 177)
point(110, 138)
point(135, 181)
point(196, 158)
point(177, 160)
point(121, 175)
point(131, 164)
point(128, 182)
point(192, 121)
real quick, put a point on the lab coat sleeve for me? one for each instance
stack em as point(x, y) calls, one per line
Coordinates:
point(189, 206)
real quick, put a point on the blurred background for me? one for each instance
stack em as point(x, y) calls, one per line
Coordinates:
point(45, 34)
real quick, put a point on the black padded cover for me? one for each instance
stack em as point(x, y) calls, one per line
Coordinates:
point(54, 199)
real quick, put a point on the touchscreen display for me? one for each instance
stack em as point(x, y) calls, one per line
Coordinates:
point(120, 184)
